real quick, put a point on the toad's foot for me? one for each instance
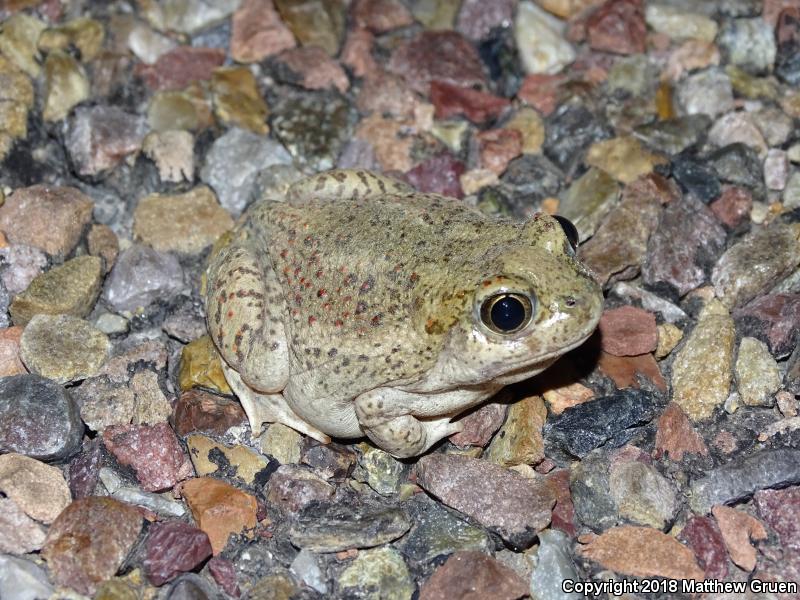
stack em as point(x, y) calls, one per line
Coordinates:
point(405, 435)
point(268, 408)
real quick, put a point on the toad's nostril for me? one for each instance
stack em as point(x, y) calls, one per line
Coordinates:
point(570, 301)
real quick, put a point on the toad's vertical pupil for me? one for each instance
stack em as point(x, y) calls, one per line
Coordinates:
point(508, 313)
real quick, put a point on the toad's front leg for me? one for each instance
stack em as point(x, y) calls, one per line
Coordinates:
point(386, 422)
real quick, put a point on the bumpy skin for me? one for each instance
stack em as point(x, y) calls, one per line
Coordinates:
point(353, 308)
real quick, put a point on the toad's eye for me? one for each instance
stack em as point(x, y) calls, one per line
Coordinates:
point(569, 230)
point(506, 312)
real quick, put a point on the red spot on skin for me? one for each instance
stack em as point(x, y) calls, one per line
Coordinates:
point(302, 280)
point(326, 305)
point(338, 322)
point(295, 312)
point(307, 284)
point(487, 283)
point(346, 314)
point(298, 299)
point(346, 298)
point(319, 273)
point(297, 271)
point(284, 253)
point(322, 293)
point(230, 314)
point(312, 319)
point(376, 320)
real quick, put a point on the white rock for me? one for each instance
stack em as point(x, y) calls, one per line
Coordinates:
point(679, 24)
point(540, 40)
point(776, 169)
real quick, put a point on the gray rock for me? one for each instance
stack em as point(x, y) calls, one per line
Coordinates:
point(439, 532)
point(141, 276)
point(740, 164)
point(611, 420)
point(38, 418)
point(707, 92)
point(749, 43)
point(553, 567)
point(306, 567)
point(21, 579)
point(570, 130)
point(191, 587)
point(673, 136)
point(643, 495)
point(156, 502)
point(21, 264)
point(380, 471)
point(99, 137)
point(742, 477)
point(335, 527)
point(649, 301)
point(591, 493)
point(234, 162)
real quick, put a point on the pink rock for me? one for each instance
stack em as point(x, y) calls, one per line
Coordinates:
point(172, 548)
point(774, 319)
point(10, 363)
point(292, 488)
point(179, 67)
point(471, 575)
point(312, 68)
point(702, 535)
point(628, 331)
point(100, 137)
point(738, 528)
point(84, 470)
point(22, 264)
point(380, 16)
point(47, 217)
point(542, 92)
point(224, 573)
point(257, 32)
point(733, 205)
point(498, 147)
point(480, 425)
point(478, 17)
point(452, 100)
point(437, 55)
point(386, 94)
point(564, 511)
point(438, 175)
point(618, 26)
point(773, 8)
point(152, 451)
point(357, 53)
point(779, 510)
point(676, 436)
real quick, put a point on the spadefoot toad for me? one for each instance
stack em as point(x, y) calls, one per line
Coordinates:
point(358, 306)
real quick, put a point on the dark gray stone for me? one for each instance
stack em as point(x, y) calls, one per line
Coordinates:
point(591, 491)
point(742, 477)
point(570, 130)
point(673, 136)
point(696, 178)
point(739, 164)
point(38, 418)
point(609, 421)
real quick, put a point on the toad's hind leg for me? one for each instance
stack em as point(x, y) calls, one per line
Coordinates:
point(346, 183)
point(268, 408)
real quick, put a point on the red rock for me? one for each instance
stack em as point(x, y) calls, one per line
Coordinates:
point(737, 529)
point(733, 206)
point(779, 510)
point(312, 68)
point(564, 510)
point(197, 410)
point(224, 573)
point(10, 363)
point(676, 436)
point(380, 16)
point(388, 139)
point(437, 55)
point(618, 26)
point(257, 32)
point(702, 535)
point(386, 94)
point(542, 92)
point(452, 100)
point(50, 218)
point(357, 52)
point(773, 8)
point(516, 509)
point(172, 548)
point(84, 470)
point(219, 509)
point(480, 425)
point(623, 370)
point(438, 175)
point(89, 541)
point(628, 331)
point(179, 67)
point(642, 552)
point(470, 575)
point(152, 451)
point(774, 319)
point(477, 18)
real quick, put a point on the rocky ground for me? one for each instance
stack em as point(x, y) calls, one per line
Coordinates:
point(133, 134)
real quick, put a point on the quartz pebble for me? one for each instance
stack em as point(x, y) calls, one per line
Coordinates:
point(37, 489)
point(141, 276)
point(540, 40)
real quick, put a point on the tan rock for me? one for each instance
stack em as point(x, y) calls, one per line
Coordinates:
point(237, 100)
point(19, 534)
point(103, 242)
point(242, 463)
point(563, 397)
point(83, 33)
point(152, 406)
point(173, 153)
point(220, 509)
point(257, 32)
point(567, 8)
point(475, 179)
point(282, 443)
point(737, 529)
point(66, 85)
point(757, 374)
point(187, 223)
point(669, 336)
point(701, 373)
point(642, 552)
point(387, 136)
point(201, 366)
point(520, 440)
point(531, 125)
point(624, 158)
point(10, 362)
point(18, 42)
point(47, 217)
point(38, 489)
